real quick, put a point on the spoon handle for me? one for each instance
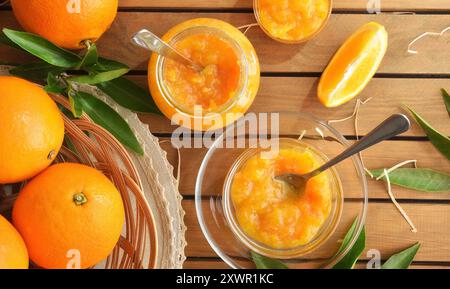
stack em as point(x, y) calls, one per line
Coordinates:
point(394, 125)
point(150, 41)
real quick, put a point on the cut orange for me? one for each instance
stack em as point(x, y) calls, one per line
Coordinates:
point(354, 65)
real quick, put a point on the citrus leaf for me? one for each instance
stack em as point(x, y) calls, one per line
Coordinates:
point(54, 89)
point(90, 59)
point(5, 40)
point(65, 111)
point(440, 141)
point(43, 49)
point(35, 71)
point(69, 144)
point(52, 79)
point(263, 262)
point(75, 104)
point(349, 260)
point(54, 85)
point(100, 77)
point(425, 180)
point(129, 95)
point(105, 64)
point(347, 237)
point(108, 118)
point(446, 97)
point(403, 259)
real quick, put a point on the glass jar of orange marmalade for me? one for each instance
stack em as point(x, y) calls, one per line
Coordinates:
point(292, 21)
point(272, 218)
point(218, 95)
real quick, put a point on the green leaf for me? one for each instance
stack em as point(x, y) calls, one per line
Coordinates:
point(347, 237)
point(440, 141)
point(43, 49)
point(90, 59)
point(425, 180)
point(129, 95)
point(69, 144)
point(52, 79)
point(263, 262)
point(65, 111)
point(35, 71)
point(108, 118)
point(54, 89)
point(105, 64)
point(5, 40)
point(349, 260)
point(403, 259)
point(446, 97)
point(97, 78)
point(54, 85)
point(75, 103)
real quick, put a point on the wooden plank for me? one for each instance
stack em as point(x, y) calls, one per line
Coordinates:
point(298, 94)
point(338, 5)
point(384, 155)
point(391, 5)
point(386, 231)
point(193, 263)
point(388, 95)
point(310, 57)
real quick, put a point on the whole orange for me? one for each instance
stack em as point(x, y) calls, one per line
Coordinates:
point(67, 23)
point(67, 213)
point(13, 253)
point(31, 130)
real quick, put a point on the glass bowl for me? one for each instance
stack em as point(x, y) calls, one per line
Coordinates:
point(258, 132)
point(256, 11)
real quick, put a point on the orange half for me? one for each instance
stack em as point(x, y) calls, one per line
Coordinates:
point(354, 65)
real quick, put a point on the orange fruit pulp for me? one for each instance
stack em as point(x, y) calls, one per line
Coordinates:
point(69, 215)
point(64, 22)
point(31, 129)
point(272, 215)
point(13, 253)
point(292, 20)
point(210, 88)
point(354, 65)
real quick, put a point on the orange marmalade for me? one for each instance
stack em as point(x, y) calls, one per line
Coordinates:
point(218, 95)
point(271, 212)
point(292, 21)
point(210, 88)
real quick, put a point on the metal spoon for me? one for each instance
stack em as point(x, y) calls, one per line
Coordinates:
point(394, 125)
point(150, 41)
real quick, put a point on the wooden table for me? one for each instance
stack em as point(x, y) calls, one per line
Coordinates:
point(289, 79)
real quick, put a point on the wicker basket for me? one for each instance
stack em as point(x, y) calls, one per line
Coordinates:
point(97, 148)
point(153, 235)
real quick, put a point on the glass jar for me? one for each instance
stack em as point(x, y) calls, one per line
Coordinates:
point(299, 33)
point(330, 196)
point(238, 102)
